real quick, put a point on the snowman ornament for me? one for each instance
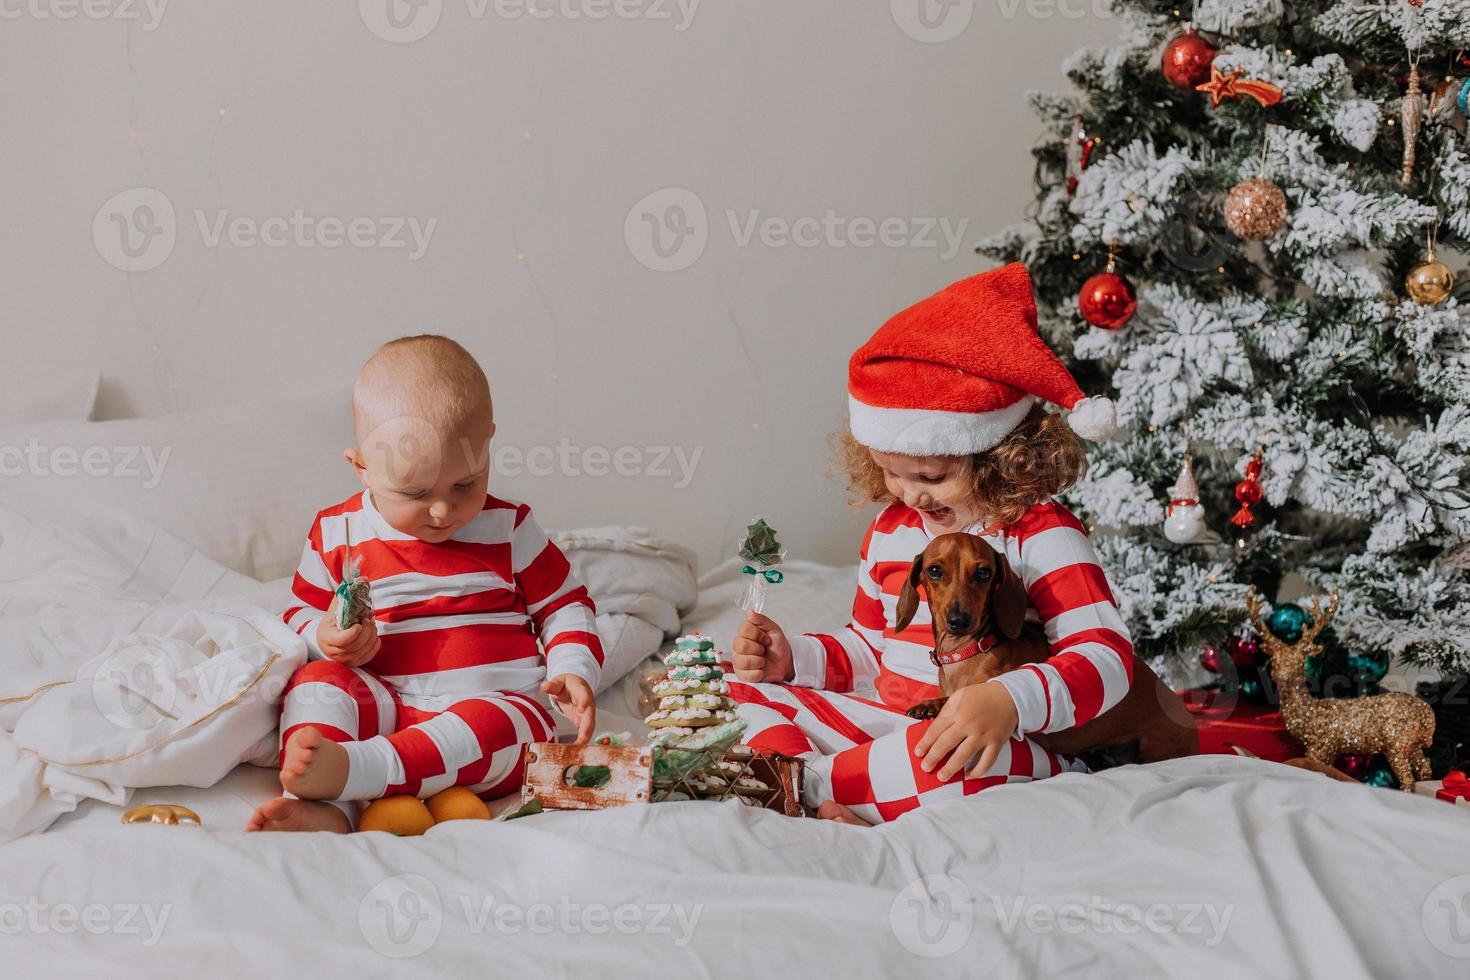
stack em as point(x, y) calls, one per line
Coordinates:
point(1184, 520)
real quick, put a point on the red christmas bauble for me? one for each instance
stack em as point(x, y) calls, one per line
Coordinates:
point(1187, 60)
point(1209, 658)
point(1244, 651)
point(1248, 492)
point(1107, 300)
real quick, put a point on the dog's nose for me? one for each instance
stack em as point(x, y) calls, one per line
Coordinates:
point(957, 620)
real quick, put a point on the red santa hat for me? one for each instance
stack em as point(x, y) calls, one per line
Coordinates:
point(956, 373)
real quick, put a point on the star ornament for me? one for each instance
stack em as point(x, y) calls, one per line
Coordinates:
point(1234, 85)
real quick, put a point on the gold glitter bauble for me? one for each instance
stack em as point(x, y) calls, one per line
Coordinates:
point(1429, 283)
point(1255, 209)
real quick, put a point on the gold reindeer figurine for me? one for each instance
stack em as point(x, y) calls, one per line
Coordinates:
point(1397, 725)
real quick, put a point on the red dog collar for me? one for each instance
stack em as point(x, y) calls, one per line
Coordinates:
point(980, 646)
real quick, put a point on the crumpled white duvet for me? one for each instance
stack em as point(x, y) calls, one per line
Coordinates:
point(128, 659)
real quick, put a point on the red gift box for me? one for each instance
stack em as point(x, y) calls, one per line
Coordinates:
point(1456, 786)
point(1227, 723)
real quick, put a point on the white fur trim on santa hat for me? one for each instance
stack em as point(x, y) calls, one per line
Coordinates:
point(1094, 419)
point(923, 432)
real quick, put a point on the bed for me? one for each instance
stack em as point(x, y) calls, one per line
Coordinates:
point(1214, 866)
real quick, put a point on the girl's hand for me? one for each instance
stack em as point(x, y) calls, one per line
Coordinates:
point(573, 698)
point(351, 647)
point(978, 719)
point(760, 651)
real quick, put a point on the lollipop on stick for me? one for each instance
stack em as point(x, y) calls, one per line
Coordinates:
point(761, 553)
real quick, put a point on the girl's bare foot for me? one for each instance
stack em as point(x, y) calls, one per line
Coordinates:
point(284, 813)
point(315, 767)
point(832, 810)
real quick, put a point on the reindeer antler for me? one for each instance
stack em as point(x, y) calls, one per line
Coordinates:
point(1253, 609)
point(1319, 618)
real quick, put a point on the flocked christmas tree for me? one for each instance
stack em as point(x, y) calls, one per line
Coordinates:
point(1310, 326)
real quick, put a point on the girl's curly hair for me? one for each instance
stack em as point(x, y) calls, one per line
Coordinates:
point(1039, 459)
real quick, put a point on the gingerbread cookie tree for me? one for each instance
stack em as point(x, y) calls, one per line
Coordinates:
point(694, 693)
point(695, 729)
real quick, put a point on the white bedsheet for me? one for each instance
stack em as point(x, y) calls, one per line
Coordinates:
point(1212, 866)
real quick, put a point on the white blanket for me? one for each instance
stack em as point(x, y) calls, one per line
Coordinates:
point(1212, 866)
point(127, 659)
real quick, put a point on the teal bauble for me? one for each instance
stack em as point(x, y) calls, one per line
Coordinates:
point(1287, 622)
point(1380, 775)
point(1313, 669)
point(1367, 669)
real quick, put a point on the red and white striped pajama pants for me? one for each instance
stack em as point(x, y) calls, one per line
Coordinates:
point(414, 746)
point(860, 752)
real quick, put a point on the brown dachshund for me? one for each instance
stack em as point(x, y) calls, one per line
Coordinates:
point(978, 604)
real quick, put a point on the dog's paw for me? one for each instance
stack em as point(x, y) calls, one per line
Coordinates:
point(926, 709)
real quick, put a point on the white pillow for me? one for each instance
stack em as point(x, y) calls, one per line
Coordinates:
point(51, 396)
point(242, 485)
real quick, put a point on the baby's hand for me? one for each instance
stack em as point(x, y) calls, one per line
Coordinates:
point(573, 698)
point(976, 720)
point(353, 646)
point(760, 651)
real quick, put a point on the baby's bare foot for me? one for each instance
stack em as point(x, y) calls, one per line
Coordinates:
point(832, 810)
point(284, 813)
point(315, 767)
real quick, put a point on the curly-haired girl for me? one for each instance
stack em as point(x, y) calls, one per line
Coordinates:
point(946, 427)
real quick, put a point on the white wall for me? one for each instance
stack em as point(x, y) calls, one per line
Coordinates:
point(528, 142)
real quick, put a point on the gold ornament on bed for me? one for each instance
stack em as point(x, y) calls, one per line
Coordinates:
point(1396, 725)
point(171, 814)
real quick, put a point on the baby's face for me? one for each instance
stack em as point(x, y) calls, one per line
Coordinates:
point(425, 483)
point(938, 487)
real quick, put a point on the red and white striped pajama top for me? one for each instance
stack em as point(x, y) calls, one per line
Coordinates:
point(825, 713)
point(452, 694)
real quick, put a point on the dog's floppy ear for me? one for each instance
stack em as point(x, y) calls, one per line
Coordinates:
point(908, 598)
point(1008, 598)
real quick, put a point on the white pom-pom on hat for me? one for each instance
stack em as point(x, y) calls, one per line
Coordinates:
point(1094, 419)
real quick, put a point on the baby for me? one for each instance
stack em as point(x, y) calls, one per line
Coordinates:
point(439, 687)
